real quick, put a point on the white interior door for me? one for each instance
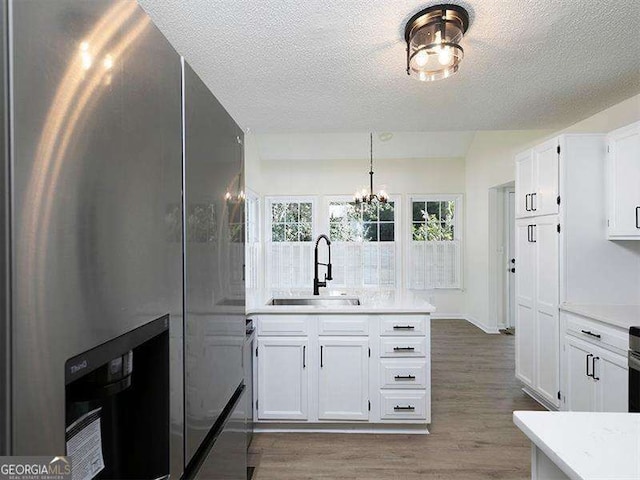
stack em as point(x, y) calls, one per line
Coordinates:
point(547, 323)
point(344, 379)
point(525, 290)
point(283, 386)
point(545, 198)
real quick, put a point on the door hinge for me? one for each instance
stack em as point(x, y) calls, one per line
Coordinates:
point(559, 396)
point(369, 405)
point(369, 352)
point(256, 351)
point(558, 200)
point(558, 150)
point(256, 404)
point(558, 228)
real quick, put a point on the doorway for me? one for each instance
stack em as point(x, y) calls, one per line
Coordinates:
point(510, 238)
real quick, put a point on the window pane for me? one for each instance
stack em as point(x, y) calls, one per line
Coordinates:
point(419, 232)
point(277, 232)
point(386, 232)
point(293, 212)
point(278, 212)
point(305, 213)
point(418, 211)
point(370, 232)
point(305, 232)
point(387, 212)
point(291, 232)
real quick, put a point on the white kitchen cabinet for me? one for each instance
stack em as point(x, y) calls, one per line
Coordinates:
point(623, 183)
point(343, 379)
point(283, 379)
point(537, 315)
point(579, 391)
point(525, 302)
point(595, 378)
point(537, 180)
point(546, 158)
point(547, 316)
point(524, 184)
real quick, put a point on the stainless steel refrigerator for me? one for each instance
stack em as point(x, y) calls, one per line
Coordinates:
point(104, 128)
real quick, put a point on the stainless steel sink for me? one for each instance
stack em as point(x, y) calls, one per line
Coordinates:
point(315, 302)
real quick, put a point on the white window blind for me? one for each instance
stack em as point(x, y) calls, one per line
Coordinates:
point(290, 265)
point(434, 264)
point(435, 246)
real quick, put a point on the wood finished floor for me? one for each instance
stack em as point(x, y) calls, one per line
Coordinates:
point(474, 393)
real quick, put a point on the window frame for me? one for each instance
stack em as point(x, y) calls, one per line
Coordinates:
point(458, 234)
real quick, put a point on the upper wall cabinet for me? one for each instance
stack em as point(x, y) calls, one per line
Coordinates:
point(537, 180)
point(623, 175)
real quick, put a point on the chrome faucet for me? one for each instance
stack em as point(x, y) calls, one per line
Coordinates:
point(327, 276)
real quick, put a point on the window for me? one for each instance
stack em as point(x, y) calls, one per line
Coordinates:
point(291, 221)
point(289, 254)
point(434, 257)
point(363, 244)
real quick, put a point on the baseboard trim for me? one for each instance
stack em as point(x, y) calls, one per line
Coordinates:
point(481, 326)
point(267, 427)
point(538, 398)
point(448, 316)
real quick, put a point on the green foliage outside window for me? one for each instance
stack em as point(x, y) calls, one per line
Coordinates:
point(350, 222)
point(433, 221)
point(291, 222)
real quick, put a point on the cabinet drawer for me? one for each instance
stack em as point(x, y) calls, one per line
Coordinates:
point(404, 405)
point(403, 373)
point(403, 347)
point(596, 332)
point(344, 325)
point(283, 325)
point(403, 325)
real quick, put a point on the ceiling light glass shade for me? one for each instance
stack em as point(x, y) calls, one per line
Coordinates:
point(433, 39)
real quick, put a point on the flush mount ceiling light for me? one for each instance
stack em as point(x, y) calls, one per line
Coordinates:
point(433, 38)
point(369, 197)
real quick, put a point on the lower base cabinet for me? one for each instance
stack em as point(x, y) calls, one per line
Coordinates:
point(283, 380)
point(343, 392)
point(333, 369)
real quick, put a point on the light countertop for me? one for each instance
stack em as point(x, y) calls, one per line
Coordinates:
point(586, 445)
point(623, 316)
point(378, 306)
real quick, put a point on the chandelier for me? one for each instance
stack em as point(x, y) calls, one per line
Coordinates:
point(365, 196)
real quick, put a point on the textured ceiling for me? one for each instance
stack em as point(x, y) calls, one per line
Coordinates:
point(339, 65)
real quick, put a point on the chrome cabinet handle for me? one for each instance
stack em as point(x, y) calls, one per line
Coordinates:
point(403, 349)
point(526, 202)
point(533, 209)
point(590, 333)
point(304, 356)
point(405, 377)
point(408, 407)
point(321, 358)
point(588, 357)
point(638, 216)
point(593, 368)
point(404, 327)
